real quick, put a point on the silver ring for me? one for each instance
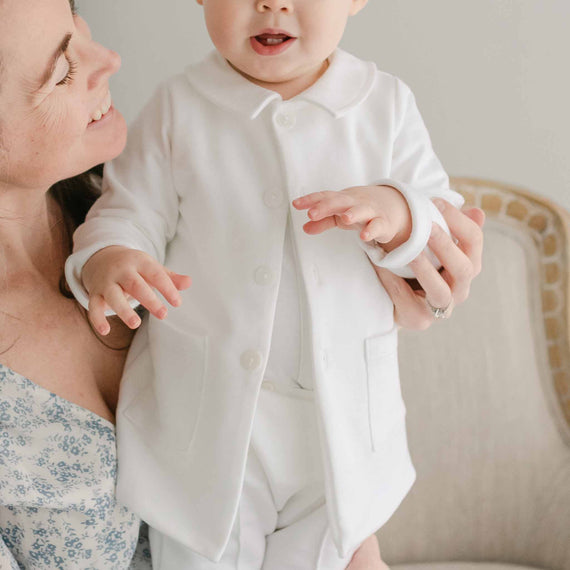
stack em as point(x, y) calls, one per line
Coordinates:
point(440, 312)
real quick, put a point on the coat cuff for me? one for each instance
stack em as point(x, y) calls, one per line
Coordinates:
point(74, 266)
point(424, 213)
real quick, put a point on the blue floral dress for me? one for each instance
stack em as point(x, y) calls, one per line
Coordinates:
point(58, 468)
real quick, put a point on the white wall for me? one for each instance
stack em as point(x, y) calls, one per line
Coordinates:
point(490, 76)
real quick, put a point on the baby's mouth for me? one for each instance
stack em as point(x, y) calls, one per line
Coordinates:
point(270, 40)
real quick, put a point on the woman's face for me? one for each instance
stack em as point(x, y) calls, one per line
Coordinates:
point(55, 119)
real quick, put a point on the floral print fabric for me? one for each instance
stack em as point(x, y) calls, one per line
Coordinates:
point(58, 468)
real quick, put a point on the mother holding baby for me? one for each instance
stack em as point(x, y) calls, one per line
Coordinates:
point(59, 379)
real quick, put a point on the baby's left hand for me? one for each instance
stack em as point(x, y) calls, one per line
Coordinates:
point(379, 213)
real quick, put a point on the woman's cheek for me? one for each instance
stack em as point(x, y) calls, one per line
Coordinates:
point(60, 122)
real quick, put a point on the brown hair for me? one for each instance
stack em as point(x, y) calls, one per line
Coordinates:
point(75, 196)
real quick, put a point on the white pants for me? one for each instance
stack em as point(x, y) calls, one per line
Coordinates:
point(282, 522)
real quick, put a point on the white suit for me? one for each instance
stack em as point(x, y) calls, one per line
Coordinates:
point(205, 186)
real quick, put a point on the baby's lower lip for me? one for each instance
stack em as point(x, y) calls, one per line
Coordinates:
point(271, 44)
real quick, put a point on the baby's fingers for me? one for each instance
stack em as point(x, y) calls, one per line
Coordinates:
point(324, 204)
point(137, 288)
point(310, 200)
point(117, 300)
point(378, 229)
point(159, 278)
point(181, 282)
point(314, 228)
point(96, 315)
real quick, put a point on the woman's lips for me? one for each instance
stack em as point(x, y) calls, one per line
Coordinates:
point(103, 120)
point(271, 43)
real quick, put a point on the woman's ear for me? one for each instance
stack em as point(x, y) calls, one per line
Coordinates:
point(356, 6)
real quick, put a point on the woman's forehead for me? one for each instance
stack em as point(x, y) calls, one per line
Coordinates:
point(30, 31)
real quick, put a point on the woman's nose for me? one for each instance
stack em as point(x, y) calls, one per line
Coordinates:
point(285, 6)
point(106, 62)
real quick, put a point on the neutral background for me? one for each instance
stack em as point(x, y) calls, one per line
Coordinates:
point(490, 76)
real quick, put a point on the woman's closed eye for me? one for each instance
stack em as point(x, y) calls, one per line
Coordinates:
point(68, 71)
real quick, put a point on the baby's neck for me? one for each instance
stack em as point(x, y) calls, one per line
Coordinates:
point(291, 87)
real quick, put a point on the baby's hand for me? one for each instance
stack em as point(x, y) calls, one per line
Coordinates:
point(115, 273)
point(379, 213)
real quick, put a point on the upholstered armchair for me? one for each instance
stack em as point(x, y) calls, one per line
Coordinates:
point(488, 399)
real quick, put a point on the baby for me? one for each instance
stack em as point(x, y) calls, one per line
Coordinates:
point(261, 425)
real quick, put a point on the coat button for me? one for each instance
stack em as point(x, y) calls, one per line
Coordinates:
point(264, 276)
point(250, 360)
point(273, 198)
point(285, 120)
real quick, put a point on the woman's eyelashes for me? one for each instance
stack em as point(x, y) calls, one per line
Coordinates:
point(71, 70)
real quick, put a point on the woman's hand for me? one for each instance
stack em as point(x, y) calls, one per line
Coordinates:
point(448, 287)
point(368, 557)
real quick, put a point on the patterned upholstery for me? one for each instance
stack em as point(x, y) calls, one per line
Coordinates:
point(462, 566)
point(488, 398)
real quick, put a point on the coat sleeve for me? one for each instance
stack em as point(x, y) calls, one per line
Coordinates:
point(139, 204)
point(418, 174)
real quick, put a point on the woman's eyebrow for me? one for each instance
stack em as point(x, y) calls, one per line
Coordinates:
point(50, 70)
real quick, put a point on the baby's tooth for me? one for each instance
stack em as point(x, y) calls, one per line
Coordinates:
point(97, 115)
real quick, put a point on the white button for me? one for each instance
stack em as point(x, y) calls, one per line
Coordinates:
point(250, 360)
point(264, 276)
point(273, 198)
point(266, 385)
point(285, 120)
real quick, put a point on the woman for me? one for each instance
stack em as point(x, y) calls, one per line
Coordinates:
point(57, 465)
point(59, 382)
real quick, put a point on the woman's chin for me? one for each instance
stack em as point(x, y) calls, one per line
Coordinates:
point(108, 135)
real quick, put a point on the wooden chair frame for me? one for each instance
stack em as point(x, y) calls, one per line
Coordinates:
point(549, 226)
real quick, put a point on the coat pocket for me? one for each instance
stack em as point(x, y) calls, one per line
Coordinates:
point(385, 403)
point(167, 409)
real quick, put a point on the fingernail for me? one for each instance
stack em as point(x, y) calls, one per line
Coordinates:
point(366, 236)
point(134, 322)
point(161, 313)
point(440, 204)
point(313, 213)
point(103, 330)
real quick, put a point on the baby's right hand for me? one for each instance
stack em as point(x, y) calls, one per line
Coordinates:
point(115, 273)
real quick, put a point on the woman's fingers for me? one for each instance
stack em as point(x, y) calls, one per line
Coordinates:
point(459, 269)
point(368, 556)
point(467, 231)
point(410, 309)
point(437, 291)
point(477, 215)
